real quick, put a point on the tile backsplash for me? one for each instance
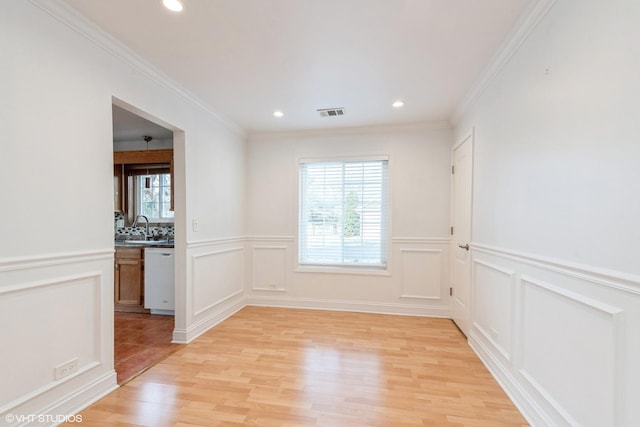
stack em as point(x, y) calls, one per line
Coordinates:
point(165, 230)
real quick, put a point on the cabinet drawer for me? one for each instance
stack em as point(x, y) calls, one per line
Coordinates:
point(129, 253)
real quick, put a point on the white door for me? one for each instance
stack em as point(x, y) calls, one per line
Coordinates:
point(461, 233)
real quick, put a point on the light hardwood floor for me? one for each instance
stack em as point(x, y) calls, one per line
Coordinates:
point(286, 367)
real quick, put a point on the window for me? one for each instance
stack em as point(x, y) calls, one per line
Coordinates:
point(343, 214)
point(153, 197)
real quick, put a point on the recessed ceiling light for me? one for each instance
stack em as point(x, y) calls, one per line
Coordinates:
point(173, 5)
point(278, 113)
point(397, 104)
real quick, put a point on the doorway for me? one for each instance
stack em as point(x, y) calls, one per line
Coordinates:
point(144, 206)
point(461, 211)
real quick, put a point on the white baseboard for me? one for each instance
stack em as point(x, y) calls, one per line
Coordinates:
point(534, 415)
point(356, 306)
point(64, 407)
point(218, 314)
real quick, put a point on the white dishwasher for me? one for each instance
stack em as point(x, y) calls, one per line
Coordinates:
point(159, 288)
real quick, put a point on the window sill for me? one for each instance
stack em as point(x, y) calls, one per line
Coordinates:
point(343, 270)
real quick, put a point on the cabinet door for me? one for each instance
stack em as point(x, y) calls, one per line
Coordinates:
point(128, 282)
point(118, 185)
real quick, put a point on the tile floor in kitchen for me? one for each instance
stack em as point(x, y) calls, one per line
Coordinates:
point(141, 341)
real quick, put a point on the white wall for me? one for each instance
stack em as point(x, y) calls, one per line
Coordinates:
point(419, 174)
point(56, 220)
point(555, 281)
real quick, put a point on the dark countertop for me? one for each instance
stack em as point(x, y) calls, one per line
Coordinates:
point(143, 244)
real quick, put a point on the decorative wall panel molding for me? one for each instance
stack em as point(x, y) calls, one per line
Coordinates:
point(25, 263)
point(493, 285)
point(568, 361)
point(269, 268)
point(213, 242)
point(421, 273)
point(571, 342)
point(70, 303)
point(613, 279)
point(217, 275)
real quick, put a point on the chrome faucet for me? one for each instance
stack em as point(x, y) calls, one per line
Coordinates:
point(135, 224)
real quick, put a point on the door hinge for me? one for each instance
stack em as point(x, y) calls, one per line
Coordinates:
point(450, 292)
point(453, 169)
point(452, 230)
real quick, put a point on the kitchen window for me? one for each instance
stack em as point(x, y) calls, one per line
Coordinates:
point(153, 196)
point(343, 214)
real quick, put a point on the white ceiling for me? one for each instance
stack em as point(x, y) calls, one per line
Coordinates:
point(247, 58)
point(129, 127)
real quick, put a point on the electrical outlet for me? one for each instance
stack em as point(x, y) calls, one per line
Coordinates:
point(65, 369)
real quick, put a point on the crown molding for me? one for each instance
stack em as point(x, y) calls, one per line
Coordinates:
point(521, 30)
point(353, 130)
point(73, 19)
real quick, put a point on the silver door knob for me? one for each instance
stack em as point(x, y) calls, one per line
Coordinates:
point(465, 247)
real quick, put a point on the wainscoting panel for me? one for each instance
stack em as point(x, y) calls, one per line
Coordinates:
point(571, 337)
point(56, 309)
point(269, 272)
point(421, 273)
point(493, 286)
point(69, 304)
point(571, 342)
point(217, 275)
point(416, 281)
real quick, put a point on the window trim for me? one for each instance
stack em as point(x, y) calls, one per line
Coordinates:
point(376, 270)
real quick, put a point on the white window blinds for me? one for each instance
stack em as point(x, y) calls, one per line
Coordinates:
point(343, 214)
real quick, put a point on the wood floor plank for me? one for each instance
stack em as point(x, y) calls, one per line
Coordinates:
point(287, 367)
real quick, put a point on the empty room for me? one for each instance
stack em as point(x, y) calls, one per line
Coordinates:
point(305, 213)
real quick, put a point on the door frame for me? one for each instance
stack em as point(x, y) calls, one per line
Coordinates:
point(470, 137)
point(180, 221)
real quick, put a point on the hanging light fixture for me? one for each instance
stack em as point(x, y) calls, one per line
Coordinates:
point(147, 179)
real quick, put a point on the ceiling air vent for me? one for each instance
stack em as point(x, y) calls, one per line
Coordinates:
point(331, 112)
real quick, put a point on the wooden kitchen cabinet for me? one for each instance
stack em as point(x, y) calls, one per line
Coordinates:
point(129, 280)
point(118, 188)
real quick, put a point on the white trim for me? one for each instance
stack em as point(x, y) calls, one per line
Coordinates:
point(96, 35)
point(355, 130)
point(226, 308)
point(393, 240)
point(38, 261)
point(439, 281)
point(609, 278)
point(52, 282)
point(421, 240)
point(271, 238)
point(211, 242)
point(86, 396)
point(614, 313)
point(506, 353)
point(72, 403)
point(525, 403)
point(373, 270)
point(284, 285)
point(521, 30)
point(470, 137)
point(217, 303)
point(344, 158)
point(353, 306)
